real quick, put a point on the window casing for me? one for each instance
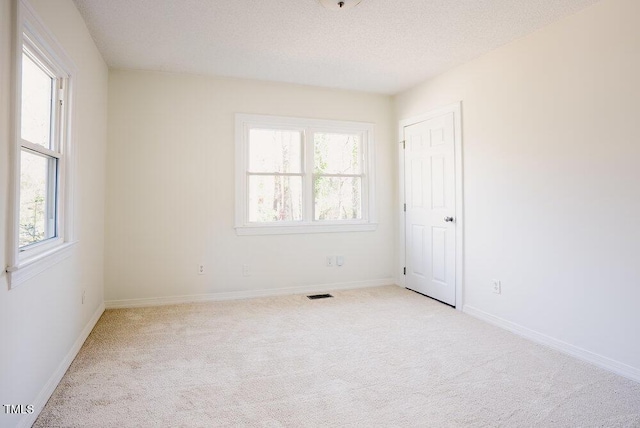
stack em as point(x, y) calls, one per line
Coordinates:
point(297, 175)
point(42, 156)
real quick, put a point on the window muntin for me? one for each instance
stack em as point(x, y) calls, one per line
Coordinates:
point(295, 173)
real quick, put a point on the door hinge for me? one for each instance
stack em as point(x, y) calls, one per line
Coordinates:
point(404, 270)
point(405, 207)
point(404, 144)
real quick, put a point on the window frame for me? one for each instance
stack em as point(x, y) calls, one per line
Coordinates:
point(308, 224)
point(31, 37)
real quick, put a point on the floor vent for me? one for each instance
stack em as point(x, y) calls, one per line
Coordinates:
point(319, 296)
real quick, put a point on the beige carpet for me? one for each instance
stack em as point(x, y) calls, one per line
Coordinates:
point(374, 357)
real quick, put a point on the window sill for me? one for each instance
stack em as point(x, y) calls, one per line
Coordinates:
point(315, 228)
point(27, 269)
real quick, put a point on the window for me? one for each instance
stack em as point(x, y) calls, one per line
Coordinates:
point(303, 175)
point(40, 152)
point(42, 157)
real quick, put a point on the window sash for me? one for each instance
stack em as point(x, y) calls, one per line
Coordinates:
point(249, 196)
point(363, 198)
point(272, 128)
point(51, 211)
point(35, 54)
point(361, 148)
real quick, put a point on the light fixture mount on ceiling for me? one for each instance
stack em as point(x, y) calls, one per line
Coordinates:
point(339, 4)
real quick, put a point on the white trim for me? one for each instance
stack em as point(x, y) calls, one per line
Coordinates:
point(42, 151)
point(44, 37)
point(402, 242)
point(245, 294)
point(456, 109)
point(29, 268)
point(244, 122)
point(308, 228)
point(56, 377)
point(601, 361)
point(27, 23)
point(288, 122)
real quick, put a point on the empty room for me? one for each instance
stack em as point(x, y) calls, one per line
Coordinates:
point(310, 213)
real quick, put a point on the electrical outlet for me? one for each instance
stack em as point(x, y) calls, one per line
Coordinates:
point(497, 287)
point(329, 261)
point(339, 260)
point(246, 270)
point(201, 269)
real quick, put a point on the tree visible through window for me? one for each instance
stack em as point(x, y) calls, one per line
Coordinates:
point(304, 172)
point(338, 176)
point(275, 175)
point(37, 198)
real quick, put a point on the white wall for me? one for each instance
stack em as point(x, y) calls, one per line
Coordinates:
point(170, 202)
point(551, 128)
point(41, 320)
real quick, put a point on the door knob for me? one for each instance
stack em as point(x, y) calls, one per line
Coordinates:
point(448, 219)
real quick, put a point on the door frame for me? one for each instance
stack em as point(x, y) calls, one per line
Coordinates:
point(456, 109)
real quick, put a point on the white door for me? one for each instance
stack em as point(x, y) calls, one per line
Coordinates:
point(430, 208)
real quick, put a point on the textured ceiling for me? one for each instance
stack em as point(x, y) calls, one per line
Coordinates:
point(381, 46)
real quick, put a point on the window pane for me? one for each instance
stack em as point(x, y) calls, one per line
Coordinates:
point(337, 153)
point(338, 198)
point(272, 150)
point(275, 198)
point(37, 92)
point(37, 197)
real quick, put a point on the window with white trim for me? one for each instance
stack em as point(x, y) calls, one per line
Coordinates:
point(42, 155)
point(303, 175)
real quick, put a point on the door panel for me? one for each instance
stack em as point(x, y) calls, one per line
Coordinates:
point(430, 198)
point(437, 182)
point(437, 137)
point(418, 255)
point(438, 254)
point(418, 177)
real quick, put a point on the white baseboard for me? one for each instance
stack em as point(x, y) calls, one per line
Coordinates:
point(247, 294)
point(603, 362)
point(54, 380)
